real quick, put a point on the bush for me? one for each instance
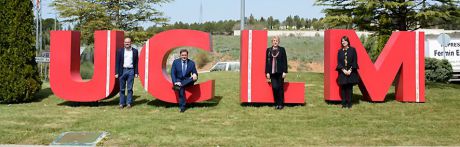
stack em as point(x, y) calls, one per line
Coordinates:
point(438, 70)
point(201, 59)
point(19, 80)
point(86, 70)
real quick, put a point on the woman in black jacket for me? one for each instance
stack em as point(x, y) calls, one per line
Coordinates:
point(347, 65)
point(276, 70)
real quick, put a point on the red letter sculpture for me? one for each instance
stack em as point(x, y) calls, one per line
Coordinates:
point(403, 54)
point(254, 87)
point(152, 65)
point(65, 79)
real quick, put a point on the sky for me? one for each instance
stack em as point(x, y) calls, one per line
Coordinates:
point(188, 11)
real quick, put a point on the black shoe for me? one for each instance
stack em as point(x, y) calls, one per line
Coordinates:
point(182, 110)
point(176, 88)
point(280, 107)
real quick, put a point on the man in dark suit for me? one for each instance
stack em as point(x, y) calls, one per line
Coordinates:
point(125, 70)
point(183, 74)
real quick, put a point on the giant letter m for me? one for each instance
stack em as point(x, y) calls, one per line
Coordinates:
point(402, 55)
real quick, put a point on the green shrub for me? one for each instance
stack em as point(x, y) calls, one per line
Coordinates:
point(437, 70)
point(19, 80)
point(201, 59)
point(86, 70)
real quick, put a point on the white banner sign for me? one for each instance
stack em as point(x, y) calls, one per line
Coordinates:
point(451, 52)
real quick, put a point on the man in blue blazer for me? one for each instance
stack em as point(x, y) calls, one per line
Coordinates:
point(183, 74)
point(125, 70)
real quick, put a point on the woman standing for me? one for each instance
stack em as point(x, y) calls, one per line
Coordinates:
point(347, 65)
point(276, 70)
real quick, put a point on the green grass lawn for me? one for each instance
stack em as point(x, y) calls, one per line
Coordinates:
point(298, 48)
point(224, 122)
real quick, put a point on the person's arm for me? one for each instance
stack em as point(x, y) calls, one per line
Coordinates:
point(173, 72)
point(355, 60)
point(194, 72)
point(285, 70)
point(339, 63)
point(117, 63)
point(267, 65)
point(136, 61)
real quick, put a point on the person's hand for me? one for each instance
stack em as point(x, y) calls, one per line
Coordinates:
point(194, 77)
point(345, 72)
point(348, 72)
point(178, 84)
point(284, 75)
point(268, 76)
point(136, 75)
point(116, 75)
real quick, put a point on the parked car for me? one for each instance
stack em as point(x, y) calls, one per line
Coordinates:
point(226, 66)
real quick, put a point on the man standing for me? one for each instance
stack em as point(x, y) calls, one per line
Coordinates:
point(125, 70)
point(183, 74)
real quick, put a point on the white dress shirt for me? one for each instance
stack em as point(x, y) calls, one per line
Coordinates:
point(128, 58)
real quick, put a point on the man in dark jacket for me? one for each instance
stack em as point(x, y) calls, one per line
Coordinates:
point(183, 74)
point(125, 70)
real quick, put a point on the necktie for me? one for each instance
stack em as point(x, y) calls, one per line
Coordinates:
point(183, 68)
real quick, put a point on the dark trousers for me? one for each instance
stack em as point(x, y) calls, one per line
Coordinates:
point(278, 88)
point(126, 82)
point(185, 83)
point(346, 91)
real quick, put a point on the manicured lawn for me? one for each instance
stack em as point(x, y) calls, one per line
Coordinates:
point(298, 48)
point(225, 122)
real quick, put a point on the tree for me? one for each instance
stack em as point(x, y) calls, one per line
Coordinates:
point(298, 22)
point(307, 23)
point(276, 23)
point(49, 24)
point(91, 15)
point(270, 22)
point(454, 24)
point(20, 79)
point(317, 24)
point(302, 23)
point(262, 19)
point(385, 16)
point(389, 15)
point(289, 22)
point(251, 20)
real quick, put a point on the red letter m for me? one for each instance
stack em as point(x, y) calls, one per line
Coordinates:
point(403, 55)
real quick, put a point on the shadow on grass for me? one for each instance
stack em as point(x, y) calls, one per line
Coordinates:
point(455, 85)
point(209, 103)
point(452, 82)
point(115, 101)
point(356, 99)
point(42, 94)
point(270, 105)
point(105, 102)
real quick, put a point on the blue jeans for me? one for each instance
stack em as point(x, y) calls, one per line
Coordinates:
point(126, 81)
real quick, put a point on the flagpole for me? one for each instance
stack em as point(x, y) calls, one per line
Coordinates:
point(41, 26)
point(36, 28)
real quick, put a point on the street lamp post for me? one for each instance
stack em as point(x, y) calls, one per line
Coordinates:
point(242, 16)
